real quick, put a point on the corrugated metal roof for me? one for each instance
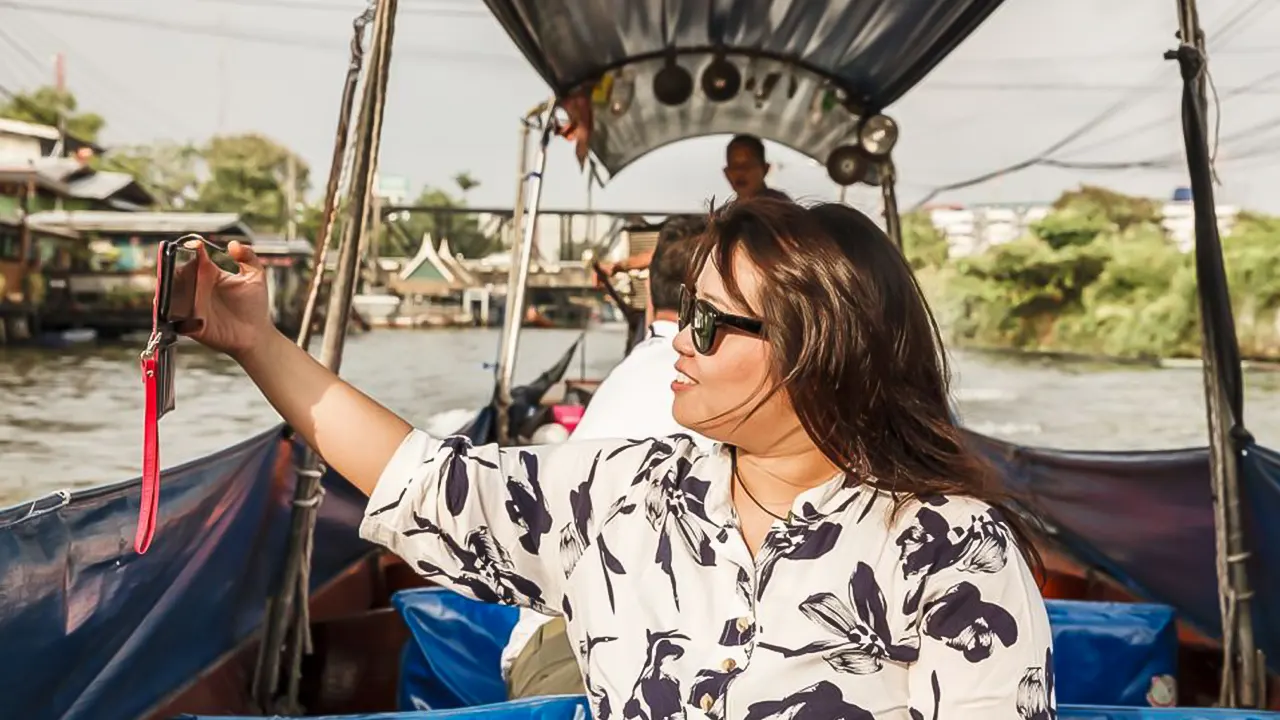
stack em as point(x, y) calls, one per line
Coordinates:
point(101, 185)
point(61, 169)
point(70, 178)
point(144, 222)
point(26, 129)
point(276, 245)
point(20, 173)
point(791, 56)
point(48, 134)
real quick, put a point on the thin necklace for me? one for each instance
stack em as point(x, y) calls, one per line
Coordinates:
point(733, 458)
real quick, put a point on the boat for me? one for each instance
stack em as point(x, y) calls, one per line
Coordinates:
point(1149, 577)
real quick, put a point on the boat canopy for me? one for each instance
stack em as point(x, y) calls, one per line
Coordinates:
point(807, 72)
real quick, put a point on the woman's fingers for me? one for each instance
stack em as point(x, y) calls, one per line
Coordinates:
point(246, 258)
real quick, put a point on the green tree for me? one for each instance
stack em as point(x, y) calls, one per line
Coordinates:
point(924, 244)
point(461, 229)
point(247, 174)
point(310, 217)
point(1124, 211)
point(465, 183)
point(1071, 226)
point(45, 105)
point(169, 171)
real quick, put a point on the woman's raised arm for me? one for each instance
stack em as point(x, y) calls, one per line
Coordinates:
point(353, 433)
point(499, 525)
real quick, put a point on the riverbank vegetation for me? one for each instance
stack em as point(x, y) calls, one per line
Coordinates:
point(1098, 276)
point(249, 174)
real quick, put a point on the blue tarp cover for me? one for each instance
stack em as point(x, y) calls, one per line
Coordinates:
point(83, 616)
point(1105, 653)
point(1087, 712)
point(452, 657)
point(544, 708)
point(1147, 519)
point(564, 708)
point(1114, 653)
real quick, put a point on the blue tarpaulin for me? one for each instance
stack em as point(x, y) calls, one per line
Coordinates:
point(564, 708)
point(1105, 653)
point(83, 617)
point(452, 657)
point(1114, 653)
point(1147, 520)
point(544, 708)
point(1086, 712)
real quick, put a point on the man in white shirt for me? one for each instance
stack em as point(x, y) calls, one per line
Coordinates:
point(634, 401)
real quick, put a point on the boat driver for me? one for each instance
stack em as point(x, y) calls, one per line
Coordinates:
point(745, 168)
point(635, 400)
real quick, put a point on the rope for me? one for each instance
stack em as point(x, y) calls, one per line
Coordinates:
point(339, 171)
point(301, 642)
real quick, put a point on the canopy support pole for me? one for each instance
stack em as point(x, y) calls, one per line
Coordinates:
point(518, 281)
point(1243, 676)
point(889, 196)
point(288, 612)
point(337, 169)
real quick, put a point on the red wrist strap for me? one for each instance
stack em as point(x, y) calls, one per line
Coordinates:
point(150, 456)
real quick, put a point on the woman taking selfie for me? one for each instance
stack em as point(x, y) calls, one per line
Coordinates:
point(839, 555)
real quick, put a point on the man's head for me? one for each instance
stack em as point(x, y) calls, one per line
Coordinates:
point(671, 258)
point(745, 166)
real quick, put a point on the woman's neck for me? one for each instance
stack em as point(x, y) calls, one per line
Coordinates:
point(789, 468)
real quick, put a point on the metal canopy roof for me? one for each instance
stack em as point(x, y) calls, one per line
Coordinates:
point(873, 51)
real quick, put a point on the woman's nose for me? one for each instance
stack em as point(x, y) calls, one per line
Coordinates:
point(683, 342)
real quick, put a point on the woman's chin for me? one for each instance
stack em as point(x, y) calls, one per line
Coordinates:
point(682, 412)
point(697, 421)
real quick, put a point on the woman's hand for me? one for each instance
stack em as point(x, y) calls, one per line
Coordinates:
point(232, 308)
point(354, 434)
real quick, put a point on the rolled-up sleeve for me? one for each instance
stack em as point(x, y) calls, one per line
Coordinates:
point(487, 522)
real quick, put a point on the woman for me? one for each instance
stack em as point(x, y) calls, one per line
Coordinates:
point(840, 553)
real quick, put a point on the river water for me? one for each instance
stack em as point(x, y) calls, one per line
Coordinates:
point(71, 418)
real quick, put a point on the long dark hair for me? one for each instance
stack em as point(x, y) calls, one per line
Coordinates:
point(855, 348)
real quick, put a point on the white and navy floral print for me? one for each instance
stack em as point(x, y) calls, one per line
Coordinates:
point(849, 611)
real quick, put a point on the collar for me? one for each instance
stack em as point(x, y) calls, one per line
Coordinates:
point(663, 329)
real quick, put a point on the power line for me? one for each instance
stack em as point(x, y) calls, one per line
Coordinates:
point(1072, 59)
point(1251, 88)
point(1093, 123)
point(23, 50)
point(247, 35)
point(316, 5)
point(139, 106)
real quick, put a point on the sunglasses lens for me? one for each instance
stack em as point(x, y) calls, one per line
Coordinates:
point(704, 329)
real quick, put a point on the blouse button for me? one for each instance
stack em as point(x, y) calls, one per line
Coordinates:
point(744, 624)
point(728, 664)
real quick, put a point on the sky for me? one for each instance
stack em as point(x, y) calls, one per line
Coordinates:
point(1034, 73)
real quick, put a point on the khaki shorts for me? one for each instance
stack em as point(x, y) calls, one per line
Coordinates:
point(546, 665)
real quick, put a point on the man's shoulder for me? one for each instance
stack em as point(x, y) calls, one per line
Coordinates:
point(652, 351)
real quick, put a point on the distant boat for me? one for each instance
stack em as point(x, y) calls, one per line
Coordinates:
point(376, 308)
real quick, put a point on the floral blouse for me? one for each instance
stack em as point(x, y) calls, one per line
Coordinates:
point(847, 611)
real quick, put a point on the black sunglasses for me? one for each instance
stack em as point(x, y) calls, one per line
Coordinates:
point(707, 321)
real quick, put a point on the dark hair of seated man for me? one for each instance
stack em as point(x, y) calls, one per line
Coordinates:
point(672, 256)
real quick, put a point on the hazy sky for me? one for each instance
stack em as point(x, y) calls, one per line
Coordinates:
point(458, 85)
